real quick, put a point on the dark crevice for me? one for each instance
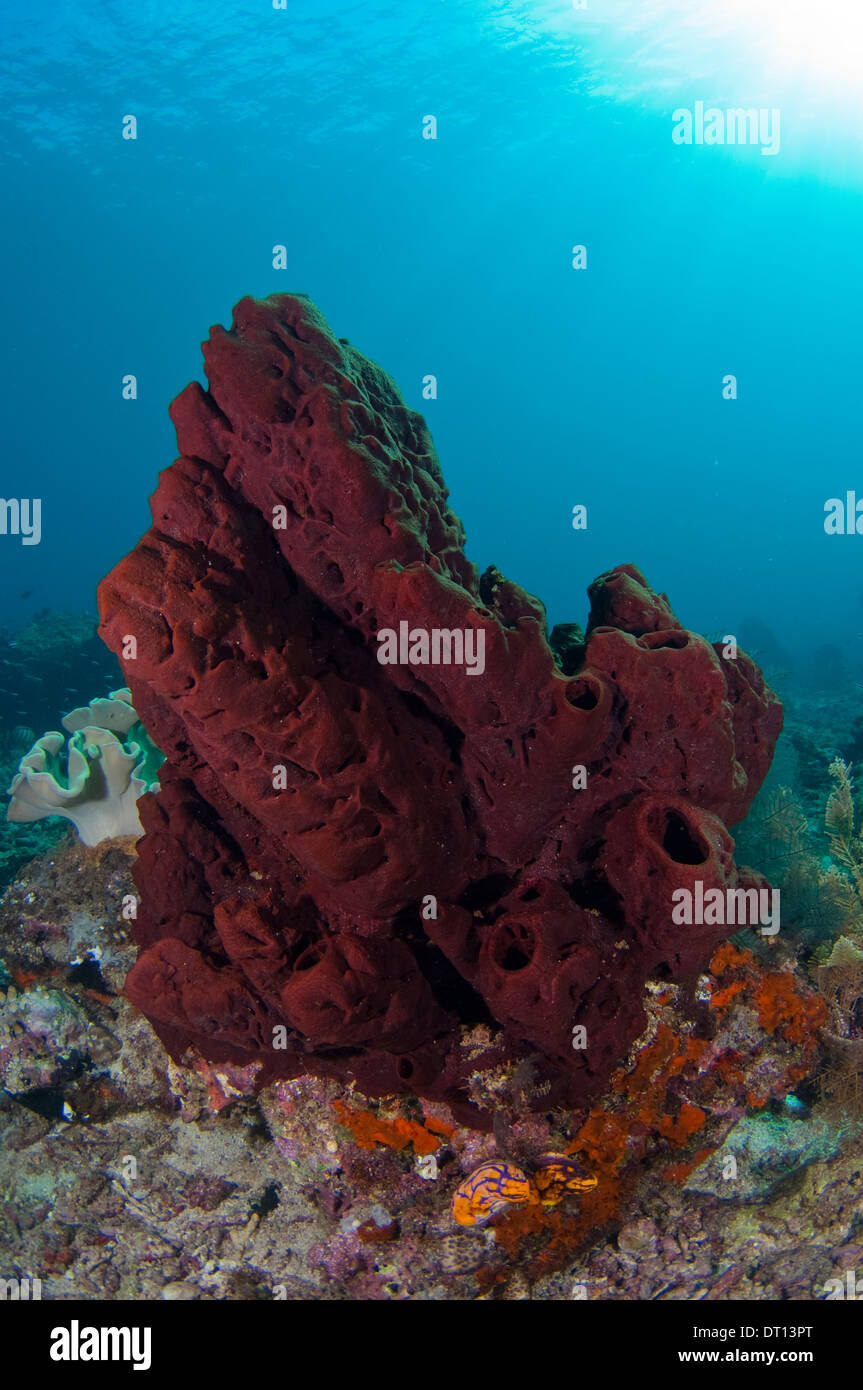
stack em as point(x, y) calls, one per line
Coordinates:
point(679, 842)
point(594, 891)
point(267, 1202)
point(45, 1102)
point(581, 694)
point(486, 893)
point(89, 974)
point(450, 989)
point(451, 733)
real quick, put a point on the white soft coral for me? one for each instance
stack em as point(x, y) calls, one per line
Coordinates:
point(103, 777)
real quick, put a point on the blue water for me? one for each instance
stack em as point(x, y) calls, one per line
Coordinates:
point(452, 256)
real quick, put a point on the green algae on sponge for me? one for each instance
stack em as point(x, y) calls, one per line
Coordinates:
point(94, 778)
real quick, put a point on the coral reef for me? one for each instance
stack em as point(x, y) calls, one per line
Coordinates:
point(95, 779)
point(686, 1087)
point(349, 859)
point(127, 1177)
point(808, 840)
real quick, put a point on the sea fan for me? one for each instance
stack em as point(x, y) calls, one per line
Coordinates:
point(846, 846)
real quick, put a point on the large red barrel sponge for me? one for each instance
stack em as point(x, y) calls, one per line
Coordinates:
point(350, 860)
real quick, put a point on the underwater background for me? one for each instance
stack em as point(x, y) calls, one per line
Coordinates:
point(303, 127)
point(488, 195)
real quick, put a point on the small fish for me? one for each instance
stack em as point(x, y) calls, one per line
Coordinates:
point(27, 593)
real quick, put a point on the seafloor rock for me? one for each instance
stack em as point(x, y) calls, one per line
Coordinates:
point(767, 1150)
point(64, 921)
point(43, 1040)
point(144, 1185)
point(367, 856)
point(70, 1045)
point(788, 1247)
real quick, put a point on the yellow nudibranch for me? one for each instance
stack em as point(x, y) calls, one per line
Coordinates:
point(556, 1175)
point(491, 1186)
